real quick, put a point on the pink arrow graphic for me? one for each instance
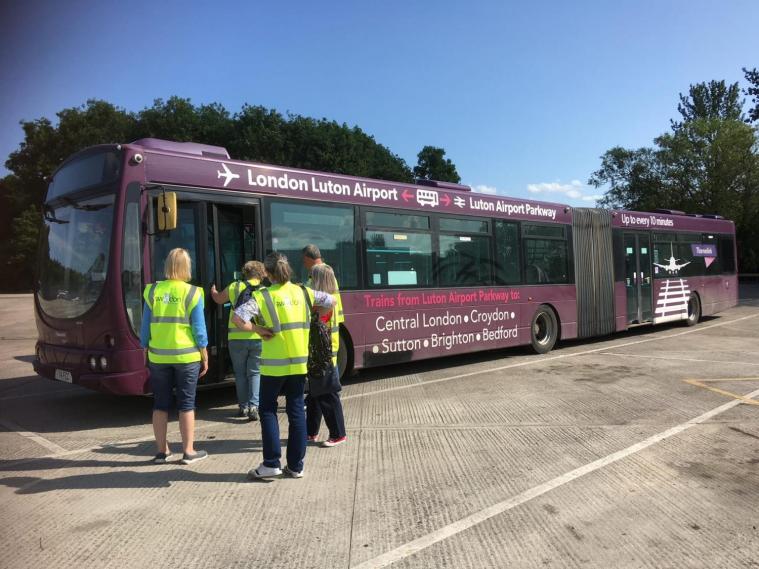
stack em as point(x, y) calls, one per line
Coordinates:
point(406, 195)
point(445, 200)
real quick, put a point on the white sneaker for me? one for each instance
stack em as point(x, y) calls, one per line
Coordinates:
point(292, 473)
point(263, 471)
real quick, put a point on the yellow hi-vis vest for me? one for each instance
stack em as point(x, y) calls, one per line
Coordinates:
point(283, 308)
point(171, 340)
point(235, 290)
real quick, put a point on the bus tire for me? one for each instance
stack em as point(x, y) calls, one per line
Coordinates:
point(694, 310)
point(544, 330)
point(344, 354)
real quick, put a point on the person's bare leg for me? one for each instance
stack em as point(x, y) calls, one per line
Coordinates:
point(160, 426)
point(187, 428)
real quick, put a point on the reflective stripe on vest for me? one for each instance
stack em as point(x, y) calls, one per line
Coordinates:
point(284, 361)
point(171, 303)
point(235, 290)
point(170, 352)
point(283, 309)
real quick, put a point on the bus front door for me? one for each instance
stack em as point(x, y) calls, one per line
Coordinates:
point(232, 240)
point(638, 277)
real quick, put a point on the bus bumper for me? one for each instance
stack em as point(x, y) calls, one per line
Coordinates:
point(67, 365)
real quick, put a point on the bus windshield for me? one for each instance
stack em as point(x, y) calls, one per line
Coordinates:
point(74, 250)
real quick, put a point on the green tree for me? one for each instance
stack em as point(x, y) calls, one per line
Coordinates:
point(432, 165)
point(752, 76)
point(712, 100)
point(707, 163)
point(633, 178)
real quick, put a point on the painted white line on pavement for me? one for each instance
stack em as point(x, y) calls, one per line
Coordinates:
point(539, 360)
point(62, 452)
point(647, 357)
point(472, 520)
point(42, 441)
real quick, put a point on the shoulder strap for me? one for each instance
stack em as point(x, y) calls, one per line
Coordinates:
point(308, 298)
point(151, 295)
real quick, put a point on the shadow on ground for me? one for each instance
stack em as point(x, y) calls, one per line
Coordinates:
point(123, 474)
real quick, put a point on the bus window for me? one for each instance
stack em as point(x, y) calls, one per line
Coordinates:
point(295, 225)
point(715, 266)
point(545, 257)
point(74, 251)
point(727, 253)
point(185, 236)
point(131, 257)
point(464, 225)
point(396, 258)
point(465, 260)
point(396, 220)
point(507, 269)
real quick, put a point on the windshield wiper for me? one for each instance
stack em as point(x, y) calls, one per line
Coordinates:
point(49, 215)
point(75, 205)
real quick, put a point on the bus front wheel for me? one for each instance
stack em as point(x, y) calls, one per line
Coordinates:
point(694, 310)
point(544, 330)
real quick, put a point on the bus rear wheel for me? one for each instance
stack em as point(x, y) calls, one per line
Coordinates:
point(544, 330)
point(694, 310)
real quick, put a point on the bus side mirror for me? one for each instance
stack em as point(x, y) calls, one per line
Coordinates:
point(167, 211)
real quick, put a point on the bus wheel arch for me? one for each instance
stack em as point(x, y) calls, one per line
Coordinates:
point(345, 353)
point(694, 310)
point(544, 329)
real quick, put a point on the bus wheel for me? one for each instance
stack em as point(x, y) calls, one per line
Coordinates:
point(544, 330)
point(344, 354)
point(694, 310)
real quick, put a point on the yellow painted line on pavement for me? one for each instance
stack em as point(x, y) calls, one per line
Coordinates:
point(743, 398)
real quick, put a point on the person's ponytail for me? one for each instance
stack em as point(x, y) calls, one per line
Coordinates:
point(278, 268)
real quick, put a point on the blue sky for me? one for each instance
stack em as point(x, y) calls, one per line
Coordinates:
point(523, 96)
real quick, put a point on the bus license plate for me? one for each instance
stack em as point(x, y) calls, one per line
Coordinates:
point(63, 375)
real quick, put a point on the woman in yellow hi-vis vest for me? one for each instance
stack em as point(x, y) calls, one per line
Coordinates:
point(244, 346)
point(282, 318)
point(174, 338)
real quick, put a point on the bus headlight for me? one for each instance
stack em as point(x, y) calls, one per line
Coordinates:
point(93, 363)
point(110, 341)
point(103, 363)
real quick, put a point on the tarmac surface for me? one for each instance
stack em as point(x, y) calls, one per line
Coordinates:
point(636, 450)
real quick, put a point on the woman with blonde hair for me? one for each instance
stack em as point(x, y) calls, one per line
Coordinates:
point(324, 393)
point(174, 338)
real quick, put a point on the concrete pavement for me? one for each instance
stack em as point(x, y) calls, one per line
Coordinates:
point(598, 454)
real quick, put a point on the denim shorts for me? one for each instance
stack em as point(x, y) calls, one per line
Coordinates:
point(165, 378)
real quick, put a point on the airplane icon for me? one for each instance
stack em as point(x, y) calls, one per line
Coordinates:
point(227, 174)
point(672, 266)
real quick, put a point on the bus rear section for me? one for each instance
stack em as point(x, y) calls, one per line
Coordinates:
point(673, 267)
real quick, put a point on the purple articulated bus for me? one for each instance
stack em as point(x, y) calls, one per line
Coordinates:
point(427, 269)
